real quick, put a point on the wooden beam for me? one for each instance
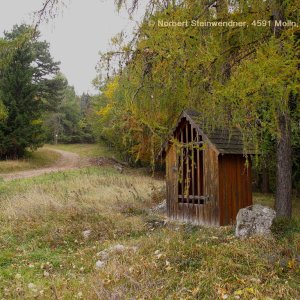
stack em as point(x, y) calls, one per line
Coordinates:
point(181, 162)
point(193, 165)
point(187, 162)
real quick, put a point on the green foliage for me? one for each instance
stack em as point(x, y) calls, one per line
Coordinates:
point(263, 85)
point(43, 248)
point(166, 69)
point(65, 119)
point(42, 157)
point(284, 227)
point(23, 84)
point(3, 112)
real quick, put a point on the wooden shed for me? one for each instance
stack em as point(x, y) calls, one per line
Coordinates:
point(207, 177)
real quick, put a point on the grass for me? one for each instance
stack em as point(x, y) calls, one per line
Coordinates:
point(33, 160)
point(44, 255)
point(269, 200)
point(86, 150)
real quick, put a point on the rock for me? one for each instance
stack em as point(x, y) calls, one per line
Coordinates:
point(117, 248)
point(254, 220)
point(31, 285)
point(99, 264)
point(160, 208)
point(46, 274)
point(119, 168)
point(105, 254)
point(86, 234)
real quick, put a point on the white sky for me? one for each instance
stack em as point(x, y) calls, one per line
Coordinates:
point(76, 36)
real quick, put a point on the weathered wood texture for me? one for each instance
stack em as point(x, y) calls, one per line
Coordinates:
point(204, 186)
point(211, 186)
point(172, 180)
point(234, 186)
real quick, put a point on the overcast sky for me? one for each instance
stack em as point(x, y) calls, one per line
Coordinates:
point(76, 36)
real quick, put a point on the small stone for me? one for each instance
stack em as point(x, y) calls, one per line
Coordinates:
point(255, 280)
point(31, 285)
point(117, 248)
point(100, 264)
point(86, 233)
point(105, 254)
point(46, 274)
point(160, 208)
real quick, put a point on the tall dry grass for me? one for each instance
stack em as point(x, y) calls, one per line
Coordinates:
point(44, 254)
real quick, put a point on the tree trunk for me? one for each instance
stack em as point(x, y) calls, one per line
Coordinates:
point(283, 203)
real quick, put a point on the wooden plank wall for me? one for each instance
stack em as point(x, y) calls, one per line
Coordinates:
point(211, 186)
point(172, 180)
point(235, 187)
point(193, 198)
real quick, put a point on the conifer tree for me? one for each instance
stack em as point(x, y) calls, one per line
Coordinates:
point(23, 86)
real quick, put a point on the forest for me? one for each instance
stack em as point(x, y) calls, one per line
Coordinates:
point(236, 62)
point(241, 76)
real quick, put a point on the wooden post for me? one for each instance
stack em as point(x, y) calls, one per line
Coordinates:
point(193, 166)
point(198, 166)
point(187, 162)
point(182, 175)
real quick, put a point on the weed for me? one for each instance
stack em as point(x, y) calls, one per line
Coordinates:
point(44, 253)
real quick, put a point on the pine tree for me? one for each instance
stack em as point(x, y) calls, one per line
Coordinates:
point(23, 86)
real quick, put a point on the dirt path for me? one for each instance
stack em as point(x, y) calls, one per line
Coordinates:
point(67, 161)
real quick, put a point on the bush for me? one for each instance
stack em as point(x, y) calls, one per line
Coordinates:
point(284, 227)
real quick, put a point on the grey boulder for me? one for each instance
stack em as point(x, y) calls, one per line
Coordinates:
point(254, 220)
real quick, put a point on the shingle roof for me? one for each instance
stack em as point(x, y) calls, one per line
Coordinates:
point(225, 141)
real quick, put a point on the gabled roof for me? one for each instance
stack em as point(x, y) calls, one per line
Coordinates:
point(223, 140)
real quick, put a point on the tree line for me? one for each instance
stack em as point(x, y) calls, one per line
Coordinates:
point(245, 77)
point(37, 105)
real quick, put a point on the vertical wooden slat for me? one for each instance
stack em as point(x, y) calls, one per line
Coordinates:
point(198, 166)
point(198, 177)
point(245, 186)
point(206, 181)
point(231, 199)
point(239, 171)
point(216, 191)
point(221, 190)
point(182, 162)
point(187, 162)
point(193, 167)
point(179, 212)
point(227, 189)
point(234, 188)
point(171, 176)
point(168, 181)
point(175, 180)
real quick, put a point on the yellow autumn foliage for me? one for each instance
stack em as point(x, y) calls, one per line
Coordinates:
point(111, 87)
point(36, 122)
point(104, 111)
